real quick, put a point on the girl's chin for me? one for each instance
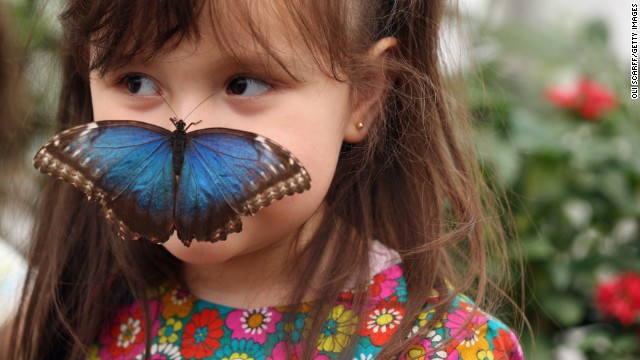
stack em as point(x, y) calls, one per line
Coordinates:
point(202, 252)
point(238, 247)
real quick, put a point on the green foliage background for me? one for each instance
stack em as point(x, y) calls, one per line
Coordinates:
point(573, 185)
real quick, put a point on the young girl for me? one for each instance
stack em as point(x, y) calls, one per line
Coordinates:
point(371, 262)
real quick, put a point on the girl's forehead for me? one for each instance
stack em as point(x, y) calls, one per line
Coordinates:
point(261, 30)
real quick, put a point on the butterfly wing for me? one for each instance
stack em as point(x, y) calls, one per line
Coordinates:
point(228, 173)
point(125, 166)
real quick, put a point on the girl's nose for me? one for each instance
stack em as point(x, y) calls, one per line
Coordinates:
point(190, 107)
point(193, 108)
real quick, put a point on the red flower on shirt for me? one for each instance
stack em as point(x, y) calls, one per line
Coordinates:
point(505, 346)
point(125, 337)
point(619, 298)
point(202, 335)
point(383, 321)
point(586, 97)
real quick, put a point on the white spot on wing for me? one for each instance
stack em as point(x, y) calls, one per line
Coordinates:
point(88, 128)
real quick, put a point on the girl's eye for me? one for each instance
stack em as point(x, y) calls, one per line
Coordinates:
point(139, 85)
point(246, 86)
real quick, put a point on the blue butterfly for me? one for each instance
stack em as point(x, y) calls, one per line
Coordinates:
point(151, 181)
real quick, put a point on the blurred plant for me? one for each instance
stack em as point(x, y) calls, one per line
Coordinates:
point(13, 129)
point(568, 161)
point(29, 45)
point(619, 298)
point(585, 97)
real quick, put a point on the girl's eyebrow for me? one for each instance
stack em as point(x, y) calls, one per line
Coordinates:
point(263, 61)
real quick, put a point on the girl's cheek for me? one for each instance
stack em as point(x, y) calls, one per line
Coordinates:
point(250, 107)
point(110, 104)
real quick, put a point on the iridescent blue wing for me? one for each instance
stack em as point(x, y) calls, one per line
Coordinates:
point(227, 174)
point(125, 166)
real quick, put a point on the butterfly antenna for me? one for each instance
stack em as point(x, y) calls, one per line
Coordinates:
point(197, 106)
point(169, 105)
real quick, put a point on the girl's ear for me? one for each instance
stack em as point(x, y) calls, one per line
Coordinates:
point(366, 102)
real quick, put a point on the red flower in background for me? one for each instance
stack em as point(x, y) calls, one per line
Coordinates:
point(586, 97)
point(619, 298)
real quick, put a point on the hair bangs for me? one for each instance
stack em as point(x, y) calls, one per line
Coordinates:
point(111, 34)
point(318, 27)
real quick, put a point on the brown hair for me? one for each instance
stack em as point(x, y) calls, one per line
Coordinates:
point(412, 183)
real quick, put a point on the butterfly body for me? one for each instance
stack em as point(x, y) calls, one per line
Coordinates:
point(178, 144)
point(151, 181)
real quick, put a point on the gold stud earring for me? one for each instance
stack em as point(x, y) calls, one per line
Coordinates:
point(360, 125)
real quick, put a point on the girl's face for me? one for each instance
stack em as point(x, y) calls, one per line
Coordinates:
point(310, 116)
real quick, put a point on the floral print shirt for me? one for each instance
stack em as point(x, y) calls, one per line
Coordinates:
point(189, 328)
